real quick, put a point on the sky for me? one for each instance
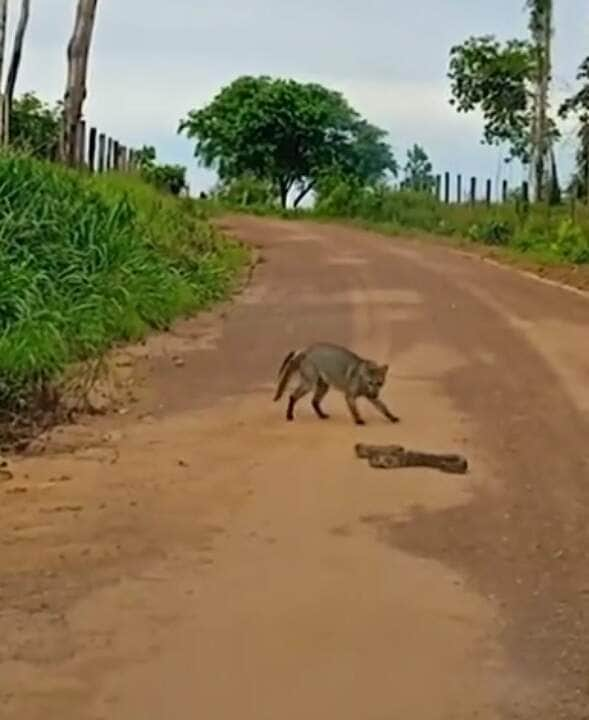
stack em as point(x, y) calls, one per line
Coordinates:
point(151, 62)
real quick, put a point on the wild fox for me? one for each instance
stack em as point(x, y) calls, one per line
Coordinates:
point(322, 365)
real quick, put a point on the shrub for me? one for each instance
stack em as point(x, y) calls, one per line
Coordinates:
point(491, 232)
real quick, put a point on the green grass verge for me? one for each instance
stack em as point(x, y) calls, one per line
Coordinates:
point(550, 235)
point(87, 262)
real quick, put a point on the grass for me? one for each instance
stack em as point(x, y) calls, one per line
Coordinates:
point(545, 234)
point(539, 233)
point(87, 262)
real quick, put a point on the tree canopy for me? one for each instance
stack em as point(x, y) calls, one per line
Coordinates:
point(509, 83)
point(171, 178)
point(35, 126)
point(493, 77)
point(418, 170)
point(288, 133)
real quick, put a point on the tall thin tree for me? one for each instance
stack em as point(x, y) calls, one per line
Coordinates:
point(19, 37)
point(3, 24)
point(77, 70)
point(541, 29)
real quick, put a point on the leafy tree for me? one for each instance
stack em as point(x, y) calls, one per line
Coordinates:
point(247, 190)
point(35, 126)
point(509, 83)
point(578, 105)
point(171, 178)
point(418, 170)
point(287, 133)
point(493, 77)
point(145, 158)
point(369, 157)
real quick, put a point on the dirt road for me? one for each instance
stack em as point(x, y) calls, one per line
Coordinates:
point(198, 557)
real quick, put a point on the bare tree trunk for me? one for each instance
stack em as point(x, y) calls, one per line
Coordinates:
point(3, 23)
point(19, 37)
point(555, 195)
point(541, 29)
point(283, 188)
point(75, 92)
point(303, 194)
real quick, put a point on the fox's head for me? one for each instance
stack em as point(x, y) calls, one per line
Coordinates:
point(373, 378)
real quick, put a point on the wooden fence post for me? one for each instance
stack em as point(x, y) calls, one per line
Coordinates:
point(447, 187)
point(115, 155)
point(80, 144)
point(488, 193)
point(438, 187)
point(124, 158)
point(473, 190)
point(574, 198)
point(101, 153)
point(504, 191)
point(6, 120)
point(92, 150)
point(109, 158)
point(459, 188)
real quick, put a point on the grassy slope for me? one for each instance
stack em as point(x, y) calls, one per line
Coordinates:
point(86, 262)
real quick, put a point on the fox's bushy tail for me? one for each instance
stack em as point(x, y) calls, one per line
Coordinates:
point(290, 364)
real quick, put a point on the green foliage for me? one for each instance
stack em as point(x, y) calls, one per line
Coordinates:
point(246, 191)
point(548, 234)
point(488, 75)
point(85, 262)
point(578, 105)
point(560, 239)
point(286, 133)
point(418, 170)
point(146, 157)
point(368, 157)
point(495, 78)
point(491, 231)
point(169, 178)
point(403, 208)
point(35, 126)
point(572, 242)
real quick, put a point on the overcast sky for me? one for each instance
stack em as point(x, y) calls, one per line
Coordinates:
point(151, 62)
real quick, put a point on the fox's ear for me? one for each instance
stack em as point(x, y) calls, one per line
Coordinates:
point(383, 370)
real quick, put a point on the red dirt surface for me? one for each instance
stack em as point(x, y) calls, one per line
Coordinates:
point(197, 556)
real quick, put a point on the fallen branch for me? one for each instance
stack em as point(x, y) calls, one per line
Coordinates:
point(396, 456)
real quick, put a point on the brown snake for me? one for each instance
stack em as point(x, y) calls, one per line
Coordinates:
point(396, 456)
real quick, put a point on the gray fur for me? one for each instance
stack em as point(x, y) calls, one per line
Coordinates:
point(324, 365)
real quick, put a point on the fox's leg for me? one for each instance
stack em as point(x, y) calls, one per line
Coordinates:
point(351, 401)
point(382, 408)
point(321, 390)
point(302, 389)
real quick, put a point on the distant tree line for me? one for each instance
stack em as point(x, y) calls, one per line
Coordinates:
point(278, 138)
